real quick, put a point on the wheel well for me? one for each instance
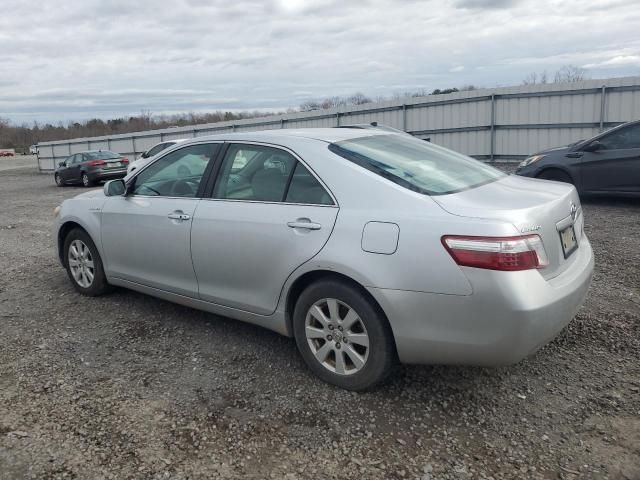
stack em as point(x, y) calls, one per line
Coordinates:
point(315, 276)
point(555, 169)
point(62, 234)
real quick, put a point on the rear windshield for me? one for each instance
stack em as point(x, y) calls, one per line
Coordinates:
point(102, 155)
point(416, 164)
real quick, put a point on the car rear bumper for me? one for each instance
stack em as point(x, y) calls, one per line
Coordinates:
point(509, 315)
point(97, 175)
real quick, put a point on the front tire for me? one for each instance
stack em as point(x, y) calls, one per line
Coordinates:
point(86, 181)
point(59, 181)
point(84, 265)
point(342, 336)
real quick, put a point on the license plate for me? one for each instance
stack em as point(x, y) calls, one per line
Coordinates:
point(115, 164)
point(568, 240)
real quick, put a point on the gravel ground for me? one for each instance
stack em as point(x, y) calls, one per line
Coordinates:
point(128, 386)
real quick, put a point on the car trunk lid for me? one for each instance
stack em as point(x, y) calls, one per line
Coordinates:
point(532, 206)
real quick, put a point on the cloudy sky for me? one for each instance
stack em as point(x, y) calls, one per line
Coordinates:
point(77, 59)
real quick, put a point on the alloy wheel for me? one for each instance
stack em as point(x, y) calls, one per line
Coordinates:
point(337, 336)
point(81, 263)
point(85, 180)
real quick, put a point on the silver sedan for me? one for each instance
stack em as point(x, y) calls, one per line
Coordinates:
point(368, 247)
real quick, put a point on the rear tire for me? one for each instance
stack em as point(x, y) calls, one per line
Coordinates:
point(86, 181)
point(343, 337)
point(84, 265)
point(555, 174)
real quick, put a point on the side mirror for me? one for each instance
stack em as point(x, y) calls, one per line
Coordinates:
point(593, 146)
point(115, 188)
point(62, 164)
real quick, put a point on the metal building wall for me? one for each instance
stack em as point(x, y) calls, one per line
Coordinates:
point(495, 124)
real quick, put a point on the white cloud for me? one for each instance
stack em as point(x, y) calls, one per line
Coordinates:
point(617, 61)
point(83, 58)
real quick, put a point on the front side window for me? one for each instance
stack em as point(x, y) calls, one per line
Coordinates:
point(177, 174)
point(415, 164)
point(627, 137)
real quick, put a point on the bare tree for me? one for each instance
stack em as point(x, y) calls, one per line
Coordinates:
point(535, 78)
point(570, 74)
point(309, 105)
point(566, 74)
point(358, 98)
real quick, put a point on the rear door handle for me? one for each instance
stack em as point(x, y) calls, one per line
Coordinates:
point(308, 225)
point(178, 216)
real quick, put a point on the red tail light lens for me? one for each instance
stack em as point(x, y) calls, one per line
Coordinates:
point(497, 253)
point(96, 163)
point(124, 160)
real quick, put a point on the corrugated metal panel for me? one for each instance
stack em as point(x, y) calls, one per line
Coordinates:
point(527, 119)
point(123, 145)
point(622, 106)
point(100, 145)
point(142, 143)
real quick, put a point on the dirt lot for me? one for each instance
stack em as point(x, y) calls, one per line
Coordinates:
point(127, 386)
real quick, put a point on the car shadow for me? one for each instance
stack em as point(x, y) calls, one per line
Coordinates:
point(611, 201)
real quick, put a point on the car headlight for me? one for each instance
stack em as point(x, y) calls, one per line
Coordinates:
point(56, 211)
point(530, 160)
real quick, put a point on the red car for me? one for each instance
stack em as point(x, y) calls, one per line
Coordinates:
point(6, 154)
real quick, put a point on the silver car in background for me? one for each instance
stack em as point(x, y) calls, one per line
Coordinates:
point(367, 246)
point(147, 156)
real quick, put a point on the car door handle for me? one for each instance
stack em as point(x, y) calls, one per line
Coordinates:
point(178, 216)
point(309, 225)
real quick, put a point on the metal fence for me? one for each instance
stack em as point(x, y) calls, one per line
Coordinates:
point(490, 124)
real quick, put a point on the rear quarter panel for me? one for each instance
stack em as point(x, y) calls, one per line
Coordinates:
point(420, 262)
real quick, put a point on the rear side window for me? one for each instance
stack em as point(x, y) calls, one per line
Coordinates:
point(415, 164)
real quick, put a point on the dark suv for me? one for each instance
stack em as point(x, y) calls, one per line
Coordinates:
point(607, 163)
point(88, 168)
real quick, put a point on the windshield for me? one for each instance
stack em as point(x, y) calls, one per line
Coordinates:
point(102, 155)
point(416, 164)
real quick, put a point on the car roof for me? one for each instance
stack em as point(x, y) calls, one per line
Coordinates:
point(329, 135)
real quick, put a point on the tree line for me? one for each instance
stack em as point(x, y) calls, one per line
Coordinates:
point(22, 136)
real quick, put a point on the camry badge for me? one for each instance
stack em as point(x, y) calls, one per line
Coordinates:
point(530, 228)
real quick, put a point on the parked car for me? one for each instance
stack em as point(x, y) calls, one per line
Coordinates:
point(7, 153)
point(88, 168)
point(144, 159)
point(366, 246)
point(607, 163)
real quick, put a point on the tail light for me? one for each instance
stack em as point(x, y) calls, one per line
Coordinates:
point(124, 160)
point(497, 253)
point(96, 163)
